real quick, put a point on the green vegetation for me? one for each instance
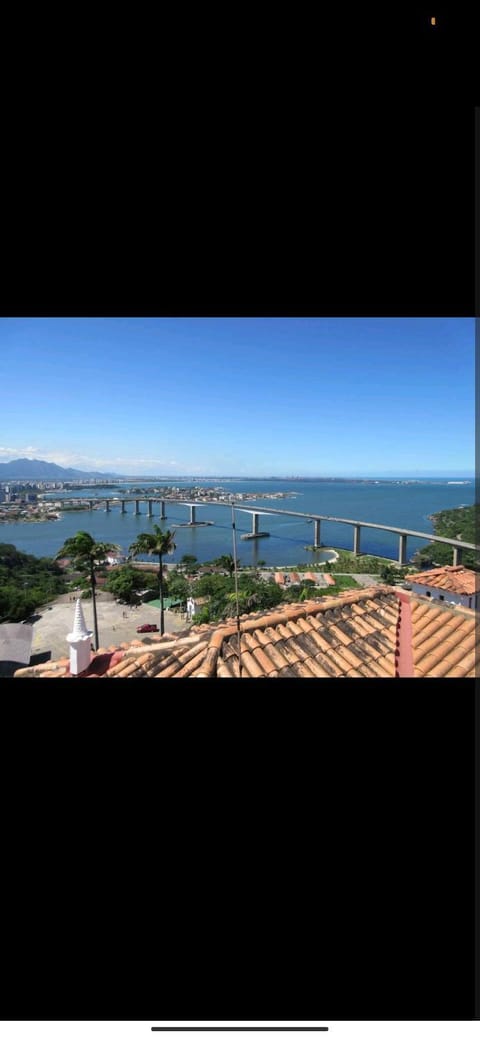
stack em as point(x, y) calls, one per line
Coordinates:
point(158, 544)
point(227, 563)
point(189, 563)
point(255, 594)
point(125, 583)
point(348, 563)
point(462, 523)
point(26, 583)
point(391, 575)
point(87, 556)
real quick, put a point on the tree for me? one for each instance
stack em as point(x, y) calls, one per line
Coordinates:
point(178, 586)
point(87, 556)
point(189, 563)
point(126, 582)
point(227, 562)
point(157, 544)
point(462, 523)
point(389, 574)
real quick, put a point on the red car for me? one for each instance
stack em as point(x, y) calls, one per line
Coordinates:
point(147, 628)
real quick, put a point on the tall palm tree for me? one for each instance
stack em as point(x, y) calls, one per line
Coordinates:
point(157, 544)
point(87, 555)
point(227, 562)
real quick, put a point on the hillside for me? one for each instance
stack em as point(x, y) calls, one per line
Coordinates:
point(462, 523)
point(37, 469)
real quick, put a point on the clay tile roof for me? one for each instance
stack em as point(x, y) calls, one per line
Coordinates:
point(359, 633)
point(459, 580)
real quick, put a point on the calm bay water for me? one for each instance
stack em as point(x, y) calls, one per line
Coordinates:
point(392, 503)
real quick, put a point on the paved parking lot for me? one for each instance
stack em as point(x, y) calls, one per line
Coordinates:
point(117, 623)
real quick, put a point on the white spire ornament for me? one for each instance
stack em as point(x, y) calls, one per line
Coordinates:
point(79, 639)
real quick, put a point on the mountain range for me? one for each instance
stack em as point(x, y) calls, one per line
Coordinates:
point(38, 469)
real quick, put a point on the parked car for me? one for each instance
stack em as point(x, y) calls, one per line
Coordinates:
point(147, 628)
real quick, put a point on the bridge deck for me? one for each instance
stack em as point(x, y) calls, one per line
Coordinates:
point(265, 511)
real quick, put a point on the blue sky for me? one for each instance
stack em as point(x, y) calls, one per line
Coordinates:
point(240, 396)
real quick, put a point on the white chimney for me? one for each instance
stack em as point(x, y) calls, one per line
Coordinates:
point(79, 639)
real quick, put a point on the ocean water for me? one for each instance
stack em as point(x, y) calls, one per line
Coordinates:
point(401, 505)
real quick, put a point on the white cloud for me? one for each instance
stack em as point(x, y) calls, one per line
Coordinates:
point(77, 460)
point(18, 453)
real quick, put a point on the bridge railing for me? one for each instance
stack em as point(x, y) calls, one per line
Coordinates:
point(403, 533)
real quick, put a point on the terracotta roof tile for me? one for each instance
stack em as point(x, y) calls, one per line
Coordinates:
point(458, 672)
point(373, 668)
point(285, 673)
point(446, 662)
point(459, 580)
point(290, 629)
point(299, 649)
point(264, 661)
point(351, 659)
point(250, 641)
point(428, 645)
point(334, 663)
point(319, 666)
point(309, 669)
point(272, 634)
point(425, 629)
point(367, 671)
point(375, 623)
point(341, 637)
point(354, 635)
point(378, 644)
point(469, 640)
point(191, 666)
point(251, 666)
point(275, 655)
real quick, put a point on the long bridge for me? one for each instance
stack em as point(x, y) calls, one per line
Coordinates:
point(403, 533)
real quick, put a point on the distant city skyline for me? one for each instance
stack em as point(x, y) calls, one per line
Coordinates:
point(259, 397)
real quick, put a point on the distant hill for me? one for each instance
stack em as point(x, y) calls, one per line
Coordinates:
point(37, 469)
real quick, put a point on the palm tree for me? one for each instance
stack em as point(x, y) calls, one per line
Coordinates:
point(87, 555)
point(157, 544)
point(227, 562)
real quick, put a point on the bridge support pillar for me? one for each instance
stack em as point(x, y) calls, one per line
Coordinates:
point(90, 504)
point(356, 539)
point(137, 507)
point(457, 555)
point(149, 507)
point(316, 537)
point(162, 510)
point(107, 505)
point(402, 550)
point(123, 505)
point(254, 523)
point(192, 514)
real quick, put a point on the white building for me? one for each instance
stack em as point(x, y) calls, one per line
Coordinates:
point(456, 585)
